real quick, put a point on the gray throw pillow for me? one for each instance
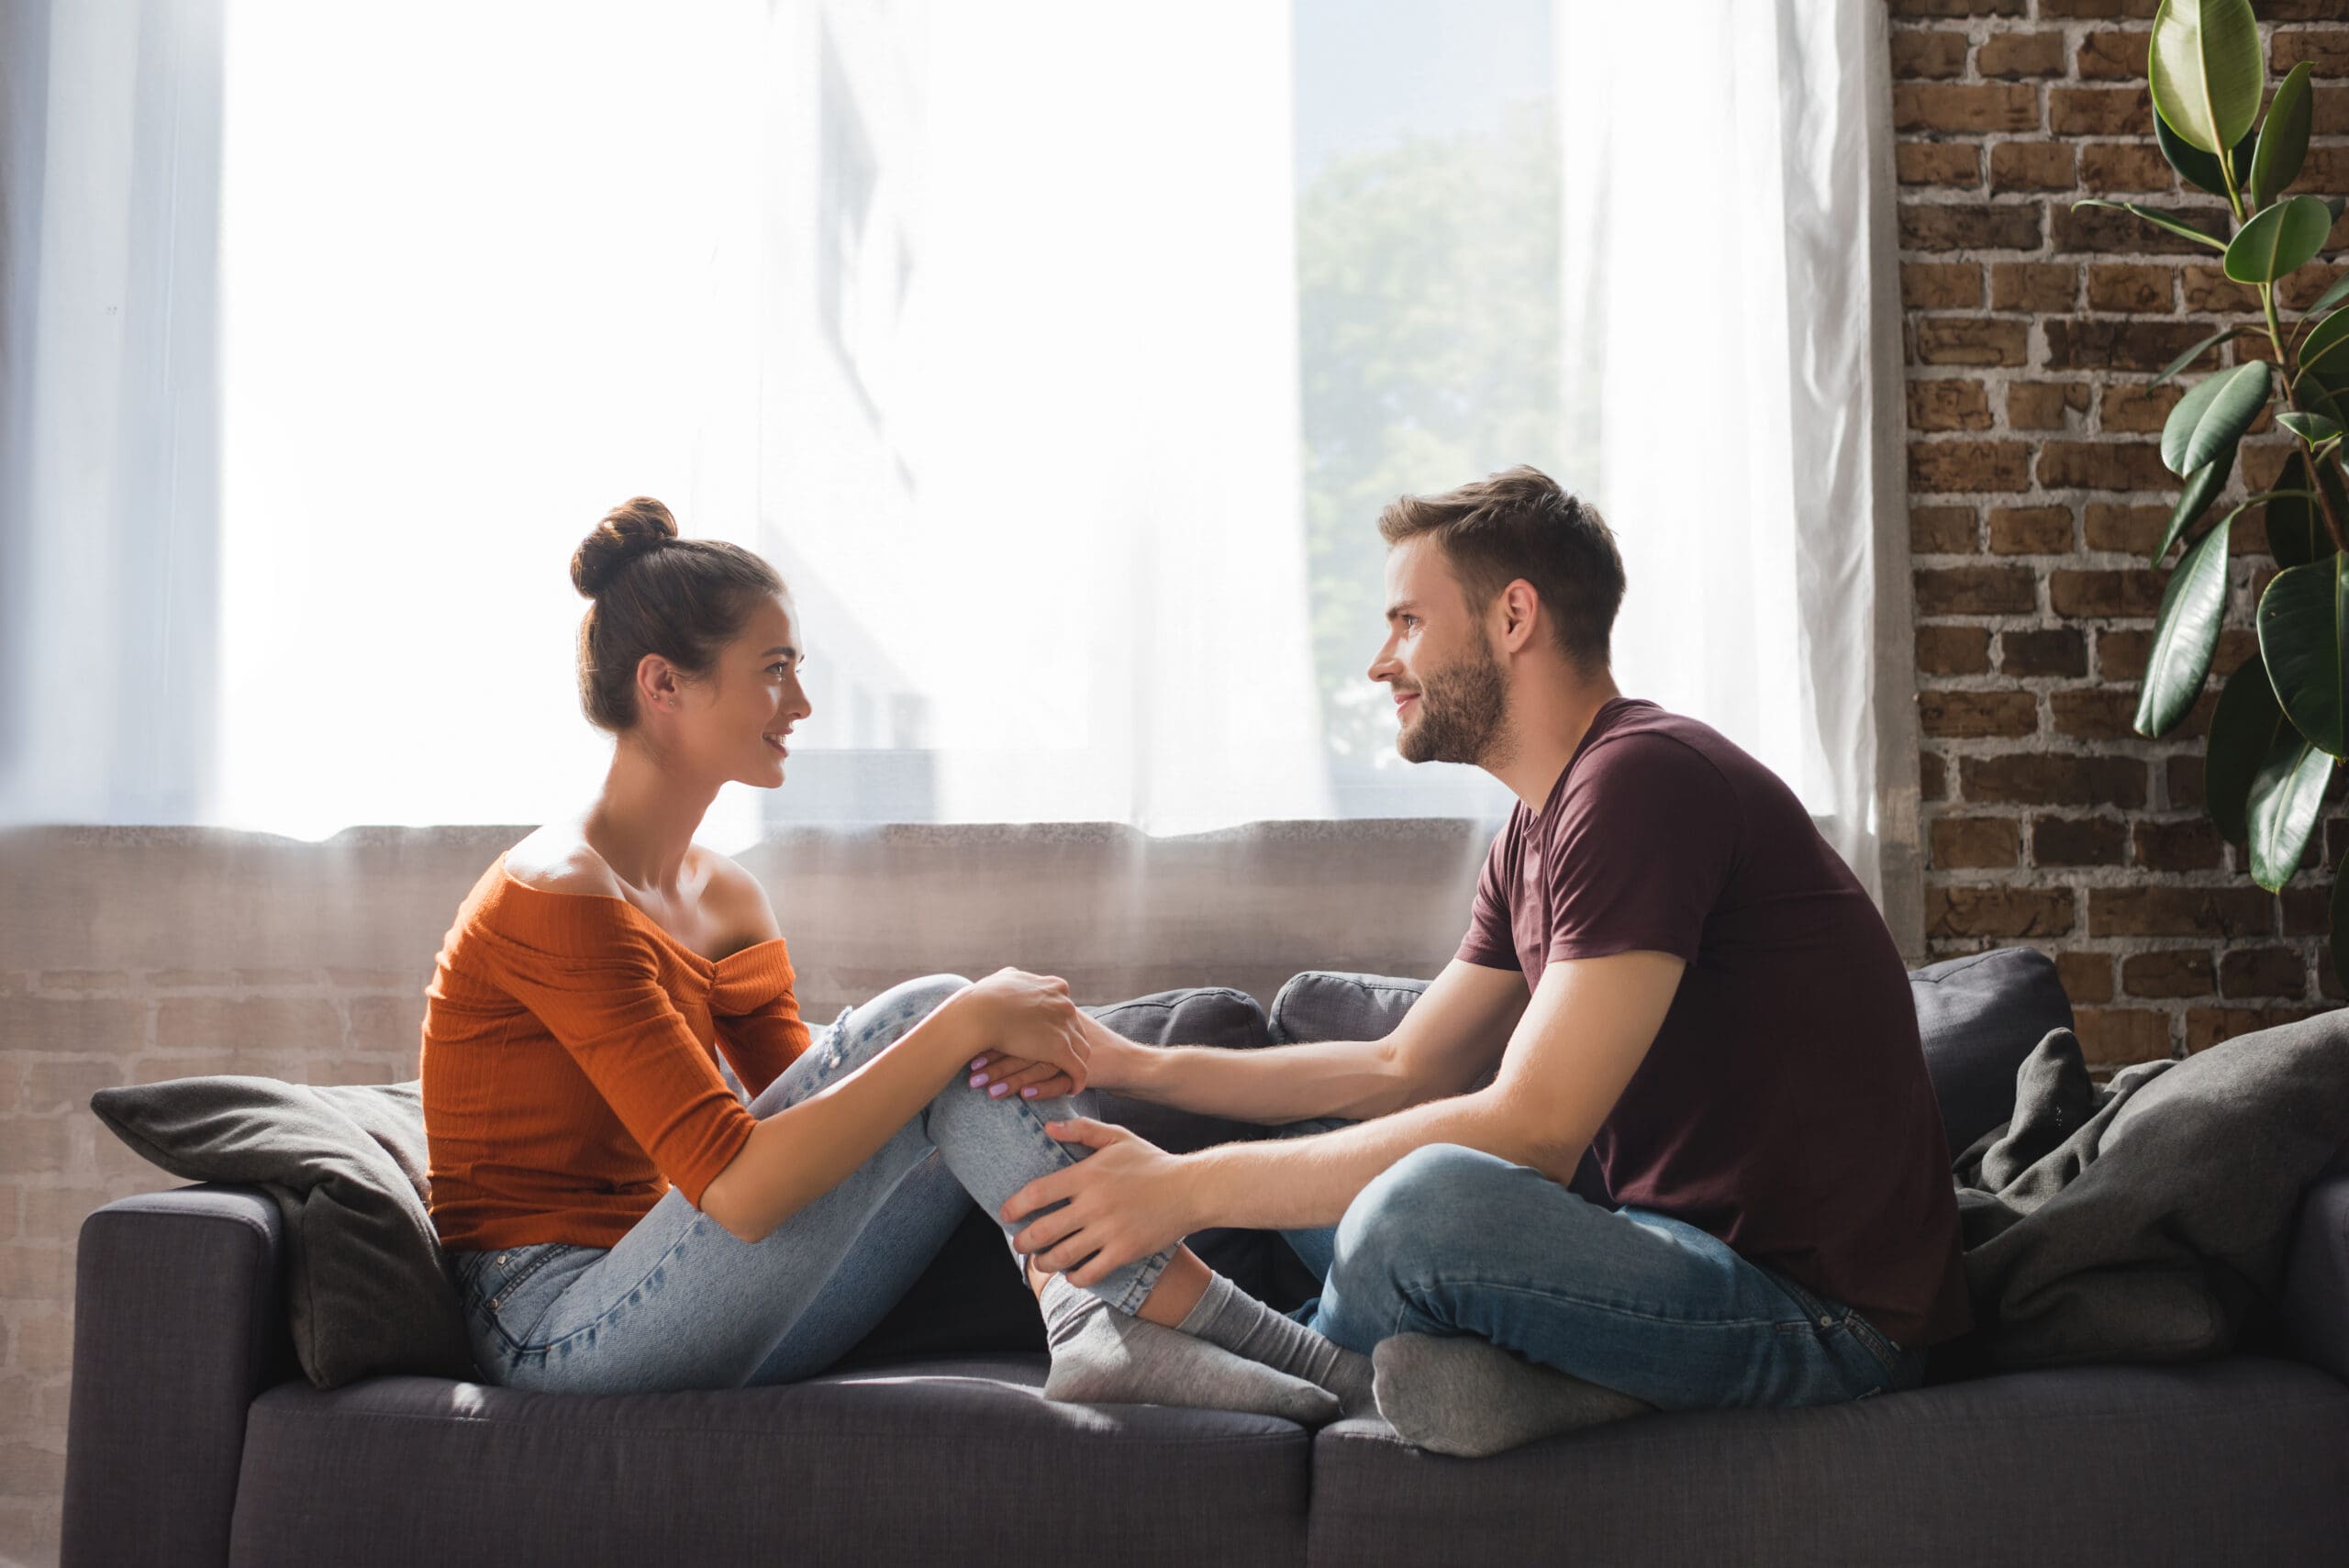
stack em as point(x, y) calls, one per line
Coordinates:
point(365, 1288)
point(1977, 1018)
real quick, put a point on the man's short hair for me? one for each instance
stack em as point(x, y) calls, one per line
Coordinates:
point(1519, 523)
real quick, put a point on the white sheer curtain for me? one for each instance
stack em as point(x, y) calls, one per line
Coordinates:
point(331, 329)
point(1725, 267)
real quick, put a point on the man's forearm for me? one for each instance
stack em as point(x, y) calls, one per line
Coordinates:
point(1287, 1182)
point(1355, 1079)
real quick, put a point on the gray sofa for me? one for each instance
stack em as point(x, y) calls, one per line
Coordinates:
point(195, 1440)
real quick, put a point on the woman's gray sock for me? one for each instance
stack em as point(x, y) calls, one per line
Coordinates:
point(1463, 1395)
point(1229, 1317)
point(1102, 1356)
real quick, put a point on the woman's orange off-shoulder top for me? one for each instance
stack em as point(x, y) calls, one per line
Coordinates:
point(570, 1063)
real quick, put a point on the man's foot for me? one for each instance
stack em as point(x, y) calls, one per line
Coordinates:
point(1461, 1394)
point(1229, 1317)
point(1101, 1356)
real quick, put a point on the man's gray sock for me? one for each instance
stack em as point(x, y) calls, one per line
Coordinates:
point(1462, 1395)
point(1102, 1356)
point(1229, 1317)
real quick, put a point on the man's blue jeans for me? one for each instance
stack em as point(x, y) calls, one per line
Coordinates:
point(1452, 1241)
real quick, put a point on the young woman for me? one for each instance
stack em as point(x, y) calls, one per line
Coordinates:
point(616, 1218)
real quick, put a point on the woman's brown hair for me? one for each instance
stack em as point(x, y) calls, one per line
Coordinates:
point(653, 593)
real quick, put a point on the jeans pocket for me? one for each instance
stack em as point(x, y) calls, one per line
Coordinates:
point(1888, 1355)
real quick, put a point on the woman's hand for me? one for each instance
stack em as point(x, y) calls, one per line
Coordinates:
point(1001, 1075)
point(1032, 1022)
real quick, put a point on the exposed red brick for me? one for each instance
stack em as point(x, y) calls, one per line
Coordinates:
point(2030, 531)
point(1957, 7)
point(1942, 530)
point(1953, 650)
point(1961, 467)
point(2173, 972)
point(1930, 785)
point(2139, 287)
point(2103, 345)
point(2043, 778)
point(1941, 285)
point(2136, 591)
point(2206, 287)
point(2114, 232)
point(2097, 10)
point(1948, 404)
point(1976, 590)
point(1941, 106)
point(2226, 912)
point(1971, 340)
point(2125, 166)
point(1973, 842)
point(2021, 54)
point(2104, 465)
point(2087, 977)
point(1928, 52)
point(2182, 776)
point(2113, 54)
point(2324, 50)
point(2141, 410)
point(2077, 841)
point(2033, 285)
point(1958, 226)
point(2031, 166)
point(2045, 405)
point(2061, 651)
point(2113, 1036)
point(2263, 971)
point(1938, 163)
point(2100, 111)
point(2008, 714)
point(2191, 844)
point(1998, 911)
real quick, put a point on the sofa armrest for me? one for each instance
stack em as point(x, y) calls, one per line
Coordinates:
point(178, 1323)
point(2316, 1277)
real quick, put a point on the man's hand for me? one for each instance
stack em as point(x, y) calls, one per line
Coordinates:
point(1126, 1200)
point(1107, 1066)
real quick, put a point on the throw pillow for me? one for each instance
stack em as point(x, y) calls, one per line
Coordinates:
point(366, 1291)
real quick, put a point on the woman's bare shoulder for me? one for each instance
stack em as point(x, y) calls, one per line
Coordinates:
point(556, 859)
point(739, 898)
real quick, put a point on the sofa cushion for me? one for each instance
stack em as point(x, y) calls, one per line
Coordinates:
point(2083, 1464)
point(365, 1288)
point(1977, 1018)
point(955, 1462)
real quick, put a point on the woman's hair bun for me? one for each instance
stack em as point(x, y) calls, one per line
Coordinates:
point(636, 527)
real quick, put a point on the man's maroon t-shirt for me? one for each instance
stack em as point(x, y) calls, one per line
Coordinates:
point(1784, 1107)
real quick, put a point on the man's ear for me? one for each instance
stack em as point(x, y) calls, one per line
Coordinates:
point(1518, 611)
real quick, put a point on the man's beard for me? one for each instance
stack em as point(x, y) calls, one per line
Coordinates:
point(1463, 709)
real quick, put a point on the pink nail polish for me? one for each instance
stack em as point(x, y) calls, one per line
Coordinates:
point(1027, 1093)
point(998, 1090)
point(978, 1080)
point(977, 1063)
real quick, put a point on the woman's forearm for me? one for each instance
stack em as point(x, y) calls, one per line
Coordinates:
point(805, 1151)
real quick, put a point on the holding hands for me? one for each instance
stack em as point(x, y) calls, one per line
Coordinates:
point(1004, 1072)
point(1045, 1046)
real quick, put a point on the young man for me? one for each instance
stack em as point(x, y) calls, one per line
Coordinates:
point(1662, 1126)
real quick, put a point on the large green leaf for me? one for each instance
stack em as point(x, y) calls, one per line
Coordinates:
point(2202, 487)
point(2213, 418)
point(2286, 799)
point(2279, 238)
point(2299, 623)
point(2244, 726)
point(2206, 70)
point(2331, 296)
point(2201, 169)
point(2314, 428)
point(2284, 139)
point(2154, 216)
point(2186, 633)
point(2326, 347)
point(2296, 532)
point(2196, 352)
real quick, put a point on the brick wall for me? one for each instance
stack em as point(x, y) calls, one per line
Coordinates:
point(2036, 493)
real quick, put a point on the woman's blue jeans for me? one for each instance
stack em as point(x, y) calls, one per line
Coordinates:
point(1452, 1241)
point(681, 1302)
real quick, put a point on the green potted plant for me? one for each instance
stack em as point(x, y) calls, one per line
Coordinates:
point(2279, 728)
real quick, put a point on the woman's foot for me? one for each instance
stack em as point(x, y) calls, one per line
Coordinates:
point(1228, 1316)
point(1101, 1356)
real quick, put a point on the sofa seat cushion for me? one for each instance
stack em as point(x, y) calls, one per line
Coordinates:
point(952, 1459)
point(2079, 1465)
